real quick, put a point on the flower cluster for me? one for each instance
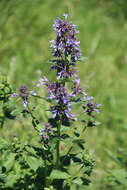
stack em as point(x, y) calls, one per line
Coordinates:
point(66, 52)
point(46, 132)
point(90, 108)
point(58, 93)
point(65, 48)
point(24, 94)
point(64, 69)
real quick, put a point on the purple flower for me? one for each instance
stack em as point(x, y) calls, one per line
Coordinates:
point(76, 86)
point(24, 94)
point(42, 81)
point(63, 113)
point(91, 107)
point(65, 16)
point(61, 107)
point(25, 103)
point(66, 51)
point(46, 132)
point(64, 70)
point(65, 48)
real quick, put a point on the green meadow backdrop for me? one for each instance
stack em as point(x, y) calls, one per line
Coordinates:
point(25, 31)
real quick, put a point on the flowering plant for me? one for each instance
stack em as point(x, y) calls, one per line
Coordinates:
point(65, 162)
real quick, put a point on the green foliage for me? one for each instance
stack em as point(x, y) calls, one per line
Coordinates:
point(19, 165)
point(23, 166)
point(7, 108)
point(56, 174)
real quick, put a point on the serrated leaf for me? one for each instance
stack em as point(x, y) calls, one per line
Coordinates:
point(56, 174)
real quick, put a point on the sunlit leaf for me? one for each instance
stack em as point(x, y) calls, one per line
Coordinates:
point(56, 174)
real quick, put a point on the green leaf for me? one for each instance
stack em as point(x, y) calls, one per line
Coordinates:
point(9, 163)
point(78, 181)
point(3, 143)
point(8, 108)
point(56, 174)
point(2, 177)
point(31, 150)
point(15, 112)
point(33, 162)
point(11, 179)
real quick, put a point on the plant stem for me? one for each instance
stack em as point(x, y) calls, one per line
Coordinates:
point(45, 170)
point(58, 147)
point(33, 118)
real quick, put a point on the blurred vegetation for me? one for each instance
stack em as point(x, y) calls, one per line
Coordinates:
point(25, 30)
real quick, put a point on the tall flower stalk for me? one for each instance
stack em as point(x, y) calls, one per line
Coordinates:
point(64, 92)
point(66, 52)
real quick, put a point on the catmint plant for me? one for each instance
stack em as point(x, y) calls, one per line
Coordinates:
point(66, 162)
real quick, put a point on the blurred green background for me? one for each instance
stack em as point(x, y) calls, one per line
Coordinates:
point(25, 31)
